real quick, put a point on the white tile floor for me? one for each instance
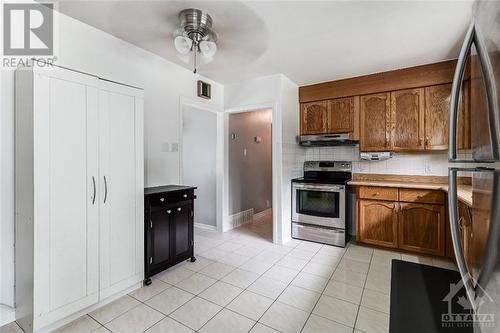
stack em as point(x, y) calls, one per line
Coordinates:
point(242, 282)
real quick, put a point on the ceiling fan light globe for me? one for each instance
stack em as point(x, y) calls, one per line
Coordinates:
point(183, 44)
point(208, 49)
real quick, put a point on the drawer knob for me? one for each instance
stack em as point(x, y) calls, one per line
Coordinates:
point(169, 211)
point(375, 194)
point(185, 195)
point(179, 209)
point(162, 199)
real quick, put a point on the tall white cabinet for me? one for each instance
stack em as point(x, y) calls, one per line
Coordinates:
point(79, 193)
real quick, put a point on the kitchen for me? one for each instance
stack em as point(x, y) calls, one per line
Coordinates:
point(376, 208)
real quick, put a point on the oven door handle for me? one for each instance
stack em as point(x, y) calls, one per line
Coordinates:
point(329, 188)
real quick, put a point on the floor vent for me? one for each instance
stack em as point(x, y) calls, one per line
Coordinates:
point(240, 218)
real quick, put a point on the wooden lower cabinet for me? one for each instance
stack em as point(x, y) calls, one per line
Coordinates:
point(422, 228)
point(379, 223)
point(405, 220)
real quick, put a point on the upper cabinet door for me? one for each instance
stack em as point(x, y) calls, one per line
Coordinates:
point(437, 114)
point(314, 118)
point(121, 176)
point(340, 115)
point(407, 119)
point(375, 119)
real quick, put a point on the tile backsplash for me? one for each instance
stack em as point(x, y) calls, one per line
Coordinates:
point(434, 164)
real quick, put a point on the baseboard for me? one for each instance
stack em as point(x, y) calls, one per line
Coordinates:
point(205, 226)
point(265, 213)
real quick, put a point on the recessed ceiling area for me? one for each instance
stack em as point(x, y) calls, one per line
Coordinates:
point(308, 41)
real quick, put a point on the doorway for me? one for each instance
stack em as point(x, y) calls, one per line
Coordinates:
point(251, 171)
point(199, 161)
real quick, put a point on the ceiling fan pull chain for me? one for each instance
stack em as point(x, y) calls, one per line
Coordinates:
point(195, 50)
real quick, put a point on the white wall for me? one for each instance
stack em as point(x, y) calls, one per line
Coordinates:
point(199, 160)
point(290, 123)
point(90, 50)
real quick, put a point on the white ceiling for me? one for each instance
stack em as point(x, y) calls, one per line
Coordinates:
point(308, 41)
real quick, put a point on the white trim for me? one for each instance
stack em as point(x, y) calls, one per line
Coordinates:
point(205, 226)
point(277, 163)
point(219, 180)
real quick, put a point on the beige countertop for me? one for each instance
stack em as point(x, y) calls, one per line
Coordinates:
point(464, 192)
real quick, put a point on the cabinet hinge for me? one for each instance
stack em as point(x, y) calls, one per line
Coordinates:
point(150, 260)
point(192, 214)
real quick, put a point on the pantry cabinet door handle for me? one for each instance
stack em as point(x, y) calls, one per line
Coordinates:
point(105, 189)
point(93, 184)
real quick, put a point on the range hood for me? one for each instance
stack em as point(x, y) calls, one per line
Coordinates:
point(323, 140)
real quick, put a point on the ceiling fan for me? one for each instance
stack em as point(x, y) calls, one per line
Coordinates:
point(196, 36)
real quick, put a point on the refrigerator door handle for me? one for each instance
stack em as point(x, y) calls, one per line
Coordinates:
point(455, 93)
point(455, 232)
point(491, 93)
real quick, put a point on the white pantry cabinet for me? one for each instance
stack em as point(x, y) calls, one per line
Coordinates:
point(79, 190)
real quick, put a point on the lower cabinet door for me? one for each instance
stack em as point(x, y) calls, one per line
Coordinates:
point(422, 228)
point(378, 223)
point(182, 232)
point(160, 236)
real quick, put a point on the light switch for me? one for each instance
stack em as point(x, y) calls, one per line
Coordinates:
point(244, 152)
point(169, 147)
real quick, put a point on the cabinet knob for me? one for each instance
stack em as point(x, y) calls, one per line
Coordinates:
point(179, 209)
point(185, 195)
point(162, 199)
point(169, 211)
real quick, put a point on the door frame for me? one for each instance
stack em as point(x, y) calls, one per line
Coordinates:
point(219, 159)
point(276, 164)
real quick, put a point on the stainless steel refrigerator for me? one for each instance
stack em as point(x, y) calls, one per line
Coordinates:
point(475, 227)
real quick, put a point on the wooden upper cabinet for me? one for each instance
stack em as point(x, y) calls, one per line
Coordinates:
point(375, 118)
point(407, 119)
point(437, 114)
point(314, 118)
point(340, 115)
point(422, 228)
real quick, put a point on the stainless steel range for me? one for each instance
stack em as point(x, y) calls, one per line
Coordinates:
point(319, 202)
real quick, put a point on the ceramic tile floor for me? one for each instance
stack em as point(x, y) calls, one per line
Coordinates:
point(242, 282)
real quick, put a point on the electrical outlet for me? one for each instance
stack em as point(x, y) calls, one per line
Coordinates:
point(268, 203)
point(427, 168)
